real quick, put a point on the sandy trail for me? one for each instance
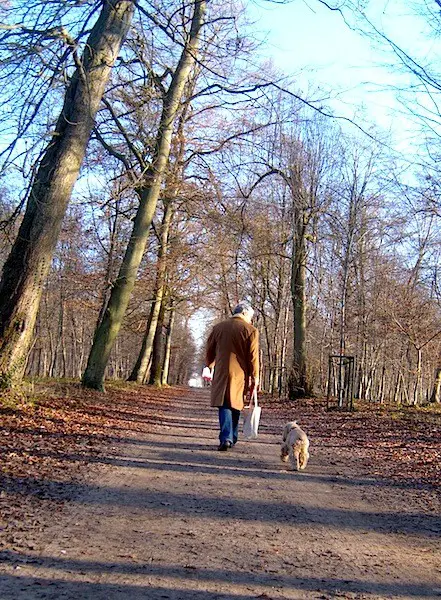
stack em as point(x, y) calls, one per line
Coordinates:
point(169, 517)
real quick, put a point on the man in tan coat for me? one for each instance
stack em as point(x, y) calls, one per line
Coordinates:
point(233, 351)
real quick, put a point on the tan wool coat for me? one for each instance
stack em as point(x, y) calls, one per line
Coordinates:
point(233, 351)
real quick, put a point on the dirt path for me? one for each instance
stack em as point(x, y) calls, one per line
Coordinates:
point(169, 517)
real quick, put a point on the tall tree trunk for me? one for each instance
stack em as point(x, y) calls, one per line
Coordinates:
point(417, 393)
point(436, 392)
point(397, 389)
point(158, 347)
point(139, 371)
point(168, 340)
point(109, 327)
point(74, 352)
point(29, 261)
point(298, 384)
point(52, 354)
point(283, 353)
point(381, 391)
point(269, 336)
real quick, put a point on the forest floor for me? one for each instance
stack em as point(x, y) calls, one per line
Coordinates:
point(123, 495)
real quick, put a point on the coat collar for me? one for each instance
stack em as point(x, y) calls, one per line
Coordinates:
point(241, 317)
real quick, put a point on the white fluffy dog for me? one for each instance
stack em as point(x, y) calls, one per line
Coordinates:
point(295, 446)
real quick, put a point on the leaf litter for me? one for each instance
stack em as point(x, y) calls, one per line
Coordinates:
point(61, 435)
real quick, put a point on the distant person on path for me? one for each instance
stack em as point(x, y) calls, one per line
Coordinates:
point(233, 346)
point(206, 376)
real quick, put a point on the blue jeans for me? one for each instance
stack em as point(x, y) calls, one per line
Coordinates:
point(229, 424)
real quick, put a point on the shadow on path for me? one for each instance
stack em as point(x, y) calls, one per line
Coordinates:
point(248, 578)
point(217, 507)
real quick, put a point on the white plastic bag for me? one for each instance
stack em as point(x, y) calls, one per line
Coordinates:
point(251, 418)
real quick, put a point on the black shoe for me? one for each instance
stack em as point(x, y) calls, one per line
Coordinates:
point(224, 446)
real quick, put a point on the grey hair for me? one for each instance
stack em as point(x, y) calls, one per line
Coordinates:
point(243, 307)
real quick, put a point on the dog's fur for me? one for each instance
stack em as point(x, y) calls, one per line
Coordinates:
point(295, 446)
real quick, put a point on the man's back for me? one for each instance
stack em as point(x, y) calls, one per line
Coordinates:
point(233, 335)
point(233, 349)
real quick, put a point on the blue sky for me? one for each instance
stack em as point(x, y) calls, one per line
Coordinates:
point(318, 47)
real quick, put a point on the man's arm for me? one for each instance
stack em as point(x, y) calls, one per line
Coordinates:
point(254, 361)
point(210, 351)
